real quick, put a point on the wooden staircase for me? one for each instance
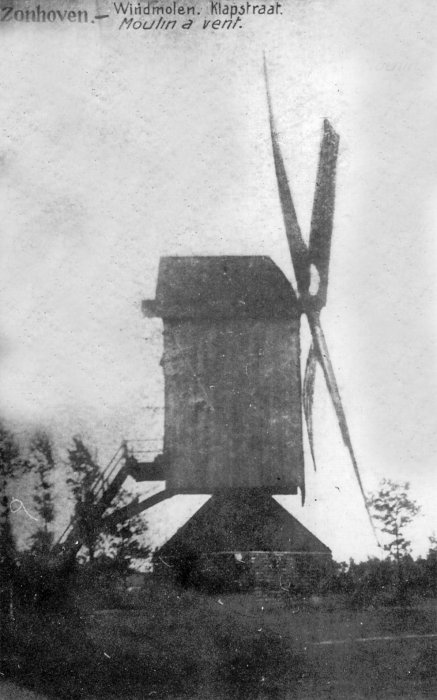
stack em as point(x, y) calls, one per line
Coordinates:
point(127, 461)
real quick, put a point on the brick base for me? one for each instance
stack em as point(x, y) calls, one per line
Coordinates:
point(244, 570)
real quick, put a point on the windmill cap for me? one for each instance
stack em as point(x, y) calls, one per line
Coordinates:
point(222, 287)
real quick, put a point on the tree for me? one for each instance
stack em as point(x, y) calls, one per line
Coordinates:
point(10, 462)
point(84, 473)
point(395, 510)
point(432, 551)
point(121, 543)
point(431, 565)
point(41, 461)
point(118, 543)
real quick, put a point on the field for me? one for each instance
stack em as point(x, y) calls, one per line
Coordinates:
point(185, 645)
point(247, 646)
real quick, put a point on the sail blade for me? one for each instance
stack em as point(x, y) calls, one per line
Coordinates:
point(324, 359)
point(308, 397)
point(323, 210)
point(296, 243)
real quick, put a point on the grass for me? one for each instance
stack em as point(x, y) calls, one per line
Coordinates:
point(247, 646)
point(185, 645)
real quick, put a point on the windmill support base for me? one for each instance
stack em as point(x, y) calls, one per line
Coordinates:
point(241, 539)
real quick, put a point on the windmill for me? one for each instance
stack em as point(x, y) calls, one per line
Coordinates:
point(233, 389)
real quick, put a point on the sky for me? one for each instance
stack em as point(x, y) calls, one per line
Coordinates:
point(118, 147)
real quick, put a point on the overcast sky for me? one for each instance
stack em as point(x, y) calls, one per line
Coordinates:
point(120, 146)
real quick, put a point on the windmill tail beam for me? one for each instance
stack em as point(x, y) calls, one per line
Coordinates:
point(135, 508)
point(74, 541)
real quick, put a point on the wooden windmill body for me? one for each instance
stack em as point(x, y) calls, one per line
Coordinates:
point(231, 373)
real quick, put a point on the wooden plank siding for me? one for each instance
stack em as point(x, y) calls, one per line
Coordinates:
point(233, 409)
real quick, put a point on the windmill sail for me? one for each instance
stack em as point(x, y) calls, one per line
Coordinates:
point(308, 397)
point(318, 254)
point(323, 211)
point(296, 243)
point(322, 353)
point(321, 350)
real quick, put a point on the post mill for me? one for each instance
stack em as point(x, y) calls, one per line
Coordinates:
point(234, 397)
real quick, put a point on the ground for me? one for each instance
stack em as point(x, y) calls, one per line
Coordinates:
point(11, 691)
point(248, 646)
point(178, 645)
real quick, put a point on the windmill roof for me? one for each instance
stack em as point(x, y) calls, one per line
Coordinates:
point(222, 287)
